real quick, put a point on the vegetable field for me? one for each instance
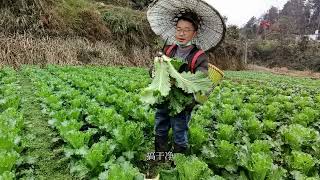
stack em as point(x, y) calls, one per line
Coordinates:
point(89, 123)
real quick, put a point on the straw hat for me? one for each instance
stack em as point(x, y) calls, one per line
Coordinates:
point(164, 14)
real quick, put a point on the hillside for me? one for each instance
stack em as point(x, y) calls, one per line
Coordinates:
point(87, 32)
point(286, 37)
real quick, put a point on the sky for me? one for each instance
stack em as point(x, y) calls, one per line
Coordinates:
point(239, 12)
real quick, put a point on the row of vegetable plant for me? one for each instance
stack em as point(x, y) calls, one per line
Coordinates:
point(11, 123)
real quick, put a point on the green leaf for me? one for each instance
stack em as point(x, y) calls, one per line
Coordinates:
point(7, 176)
point(171, 174)
point(129, 136)
point(260, 164)
point(301, 161)
point(177, 63)
point(7, 160)
point(148, 97)
point(261, 146)
point(178, 101)
point(296, 135)
point(198, 136)
point(79, 169)
point(226, 155)
point(123, 171)
point(277, 172)
point(190, 83)
point(77, 139)
point(191, 168)
point(98, 153)
point(7, 142)
point(69, 125)
point(226, 132)
point(216, 177)
point(161, 81)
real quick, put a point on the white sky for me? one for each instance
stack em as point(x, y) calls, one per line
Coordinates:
point(240, 11)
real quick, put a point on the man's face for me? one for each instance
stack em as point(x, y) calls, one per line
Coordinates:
point(185, 32)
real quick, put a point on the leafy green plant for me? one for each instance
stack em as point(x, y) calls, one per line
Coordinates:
point(98, 153)
point(227, 115)
point(226, 132)
point(129, 136)
point(77, 139)
point(297, 136)
point(254, 127)
point(273, 111)
point(7, 142)
point(306, 116)
point(124, 171)
point(7, 175)
point(301, 161)
point(198, 136)
point(257, 159)
point(259, 165)
point(191, 168)
point(7, 160)
point(269, 126)
point(226, 155)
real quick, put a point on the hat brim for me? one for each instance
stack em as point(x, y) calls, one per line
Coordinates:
point(162, 13)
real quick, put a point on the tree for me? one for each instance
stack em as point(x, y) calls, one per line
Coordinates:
point(287, 26)
point(307, 16)
point(296, 11)
point(233, 32)
point(272, 15)
point(315, 17)
point(250, 29)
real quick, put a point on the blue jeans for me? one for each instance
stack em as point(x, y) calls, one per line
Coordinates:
point(178, 123)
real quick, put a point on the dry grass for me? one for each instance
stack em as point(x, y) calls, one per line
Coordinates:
point(285, 71)
point(26, 49)
point(129, 28)
point(227, 56)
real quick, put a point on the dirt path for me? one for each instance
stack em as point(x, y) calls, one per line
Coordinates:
point(48, 161)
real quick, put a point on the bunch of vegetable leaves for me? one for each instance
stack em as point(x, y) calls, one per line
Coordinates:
point(170, 86)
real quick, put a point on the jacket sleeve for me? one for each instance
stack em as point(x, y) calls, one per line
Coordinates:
point(202, 64)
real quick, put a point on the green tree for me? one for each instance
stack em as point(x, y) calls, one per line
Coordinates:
point(233, 32)
point(250, 29)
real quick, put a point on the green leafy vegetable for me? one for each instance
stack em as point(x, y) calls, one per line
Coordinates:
point(7, 160)
point(191, 168)
point(161, 81)
point(165, 75)
point(301, 161)
point(123, 171)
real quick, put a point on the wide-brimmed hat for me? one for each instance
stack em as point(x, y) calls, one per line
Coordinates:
point(164, 14)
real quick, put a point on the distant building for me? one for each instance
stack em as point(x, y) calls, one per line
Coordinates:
point(314, 37)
